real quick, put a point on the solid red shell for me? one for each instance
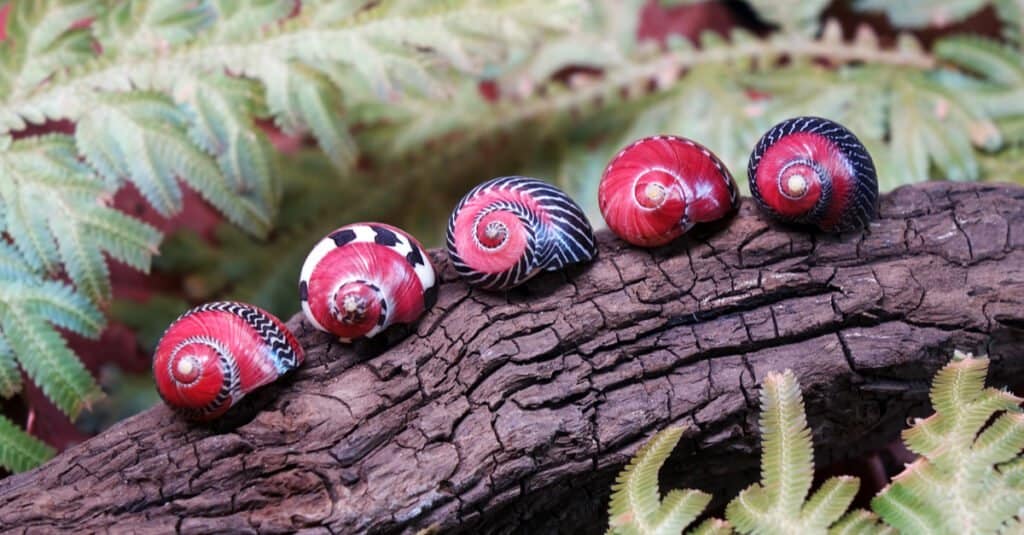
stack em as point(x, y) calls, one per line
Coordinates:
point(810, 170)
point(214, 354)
point(364, 277)
point(657, 188)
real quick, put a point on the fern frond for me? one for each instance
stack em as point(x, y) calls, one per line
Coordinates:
point(829, 502)
point(132, 29)
point(301, 98)
point(18, 450)
point(1011, 13)
point(637, 508)
point(465, 34)
point(635, 498)
point(860, 522)
point(958, 484)
point(793, 16)
point(10, 374)
point(40, 43)
point(29, 310)
point(42, 177)
point(918, 14)
point(712, 526)
point(142, 137)
point(777, 503)
point(221, 111)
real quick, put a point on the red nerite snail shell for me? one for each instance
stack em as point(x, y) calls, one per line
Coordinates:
point(215, 354)
point(659, 187)
point(813, 171)
point(506, 230)
point(365, 277)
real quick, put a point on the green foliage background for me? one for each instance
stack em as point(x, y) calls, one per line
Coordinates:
point(389, 92)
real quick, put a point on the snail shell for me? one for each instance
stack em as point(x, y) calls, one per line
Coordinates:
point(506, 230)
point(814, 171)
point(658, 187)
point(215, 354)
point(363, 278)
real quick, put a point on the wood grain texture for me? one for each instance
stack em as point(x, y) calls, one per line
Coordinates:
point(512, 412)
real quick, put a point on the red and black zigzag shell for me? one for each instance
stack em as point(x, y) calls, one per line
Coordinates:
point(216, 353)
point(810, 170)
point(506, 230)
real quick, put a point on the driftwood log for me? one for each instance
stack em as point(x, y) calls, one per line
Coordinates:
point(513, 412)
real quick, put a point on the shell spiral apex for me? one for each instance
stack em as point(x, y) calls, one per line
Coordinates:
point(658, 187)
point(814, 171)
point(506, 230)
point(214, 354)
point(365, 277)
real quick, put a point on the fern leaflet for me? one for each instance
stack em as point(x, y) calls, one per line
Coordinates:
point(777, 504)
point(18, 450)
point(968, 478)
point(637, 508)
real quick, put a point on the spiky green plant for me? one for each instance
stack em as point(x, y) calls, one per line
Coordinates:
point(780, 503)
point(162, 91)
point(969, 477)
point(636, 507)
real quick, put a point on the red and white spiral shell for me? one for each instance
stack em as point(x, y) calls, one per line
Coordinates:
point(365, 277)
point(506, 230)
point(658, 187)
point(216, 353)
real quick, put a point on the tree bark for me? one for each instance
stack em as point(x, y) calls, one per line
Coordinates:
point(512, 412)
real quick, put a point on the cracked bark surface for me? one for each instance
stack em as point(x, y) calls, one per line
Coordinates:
point(513, 412)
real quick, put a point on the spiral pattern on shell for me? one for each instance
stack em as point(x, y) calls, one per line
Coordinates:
point(506, 230)
point(363, 278)
point(658, 187)
point(813, 171)
point(214, 354)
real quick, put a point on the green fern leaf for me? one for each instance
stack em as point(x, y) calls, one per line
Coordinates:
point(776, 504)
point(221, 110)
point(637, 508)
point(40, 177)
point(829, 502)
point(137, 27)
point(301, 98)
point(19, 451)
point(792, 16)
point(959, 483)
point(860, 522)
point(1011, 13)
point(29, 308)
point(787, 458)
point(921, 14)
point(635, 498)
point(712, 526)
point(10, 374)
point(241, 18)
point(142, 137)
point(679, 509)
point(327, 13)
point(40, 41)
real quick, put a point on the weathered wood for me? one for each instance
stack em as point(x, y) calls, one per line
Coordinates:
point(512, 412)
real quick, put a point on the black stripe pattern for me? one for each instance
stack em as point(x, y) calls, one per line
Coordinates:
point(284, 355)
point(860, 207)
point(563, 237)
